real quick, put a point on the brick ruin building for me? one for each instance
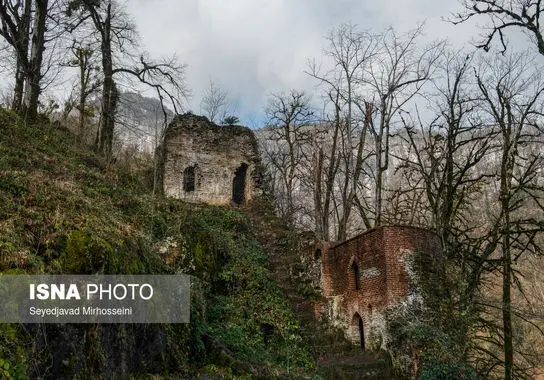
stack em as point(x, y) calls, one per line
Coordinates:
point(361, 277)
point(208, 163)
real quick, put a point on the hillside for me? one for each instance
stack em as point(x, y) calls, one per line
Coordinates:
point(64, 211)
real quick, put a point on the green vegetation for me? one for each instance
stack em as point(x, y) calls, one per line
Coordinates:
point(63, 211)
point(425, 333)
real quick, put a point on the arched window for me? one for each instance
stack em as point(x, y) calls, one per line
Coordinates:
point(317, 254)
point(239, 185)
point(189, 179)
point(354, 277)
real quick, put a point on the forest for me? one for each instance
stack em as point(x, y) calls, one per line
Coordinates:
point(400, 129)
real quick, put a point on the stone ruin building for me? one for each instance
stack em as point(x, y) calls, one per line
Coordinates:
point(208, 163)
point(361, 277)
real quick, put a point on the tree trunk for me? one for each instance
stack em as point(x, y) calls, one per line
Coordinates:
point(359, 160)
point(506, 187)
point(34, 76)
point(19, 86)
point(507, 305)
point(331, 174)
point(379, 185)
point(109, 92)
point(82, 101)
point(158, 157)
point(379, 171)
point(83, 83)
point(109, 103)
point(22, 57)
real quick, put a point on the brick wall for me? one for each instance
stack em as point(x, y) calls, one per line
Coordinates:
point(382, 276)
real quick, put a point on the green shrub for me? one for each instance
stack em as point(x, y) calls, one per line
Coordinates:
point(447, 371)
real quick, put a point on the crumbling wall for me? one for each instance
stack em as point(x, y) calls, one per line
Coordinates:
point(311, 256)
point(204, 162)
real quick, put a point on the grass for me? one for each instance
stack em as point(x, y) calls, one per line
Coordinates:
point(63, 210)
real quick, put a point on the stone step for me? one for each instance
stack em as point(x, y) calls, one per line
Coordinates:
point(339, 360)
point(285, 260)
point(303, 305)
point(282, 278)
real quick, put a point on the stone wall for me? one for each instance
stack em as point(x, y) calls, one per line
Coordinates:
point(363, 276)
point(204, 162)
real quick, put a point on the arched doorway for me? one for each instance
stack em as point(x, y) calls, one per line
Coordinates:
point(239, 184)
point(358, 332)
point(361, 333)
point(189, 179)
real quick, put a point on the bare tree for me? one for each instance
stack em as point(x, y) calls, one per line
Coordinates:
point(475, 163)
point(84, 59)
point(513, 93)
point(447, 151)
point(117, 33)
point(214, 103)
point(504, 15)
point(289, 116)
point(325, 161)
point(396, 77)
point(165, 76)
point(351, 53)
point(113, 28)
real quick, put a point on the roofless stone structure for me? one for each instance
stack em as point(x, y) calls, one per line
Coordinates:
point(208, 163)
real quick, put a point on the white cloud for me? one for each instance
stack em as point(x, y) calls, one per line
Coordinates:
point(253, 48)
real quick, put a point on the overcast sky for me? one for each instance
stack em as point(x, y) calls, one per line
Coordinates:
point(252, 48)
point(255, 47)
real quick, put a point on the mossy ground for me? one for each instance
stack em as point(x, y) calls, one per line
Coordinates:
point(63, 210)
